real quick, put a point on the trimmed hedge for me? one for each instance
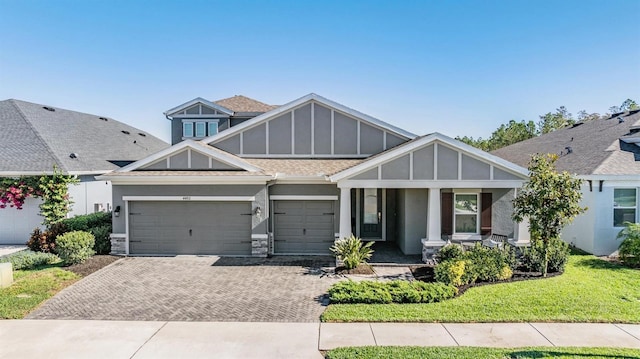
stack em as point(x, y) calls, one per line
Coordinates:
point(476, 264)
point(25, 260)
point(397, 291)
point(558, 256)
point(75, 247)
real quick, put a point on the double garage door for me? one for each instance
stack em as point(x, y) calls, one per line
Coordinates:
point(303, 227)
point(190, 228)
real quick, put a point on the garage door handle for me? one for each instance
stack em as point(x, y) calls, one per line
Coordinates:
point(304, 231)
point(134, 241)
point(326, 214)
point(190, 232)
point(279, 213)
point(246, 214)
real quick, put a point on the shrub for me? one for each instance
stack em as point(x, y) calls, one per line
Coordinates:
point(487, 264)
point(24, 260)
point(448, 252)
point(75, 247)
point(450, 272)
point(397, 291)
point(88, 221)
point(532, 257)
point(351, 251)
point(102, 240)
point(45, 241)
point(629, 250)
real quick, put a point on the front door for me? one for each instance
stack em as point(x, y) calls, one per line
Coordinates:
point(371, 213)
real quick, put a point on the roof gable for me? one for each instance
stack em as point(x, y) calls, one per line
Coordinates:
point(210, 108)
point(240, 103)
point(311, 126)
point(434, 157)
point(191, 155)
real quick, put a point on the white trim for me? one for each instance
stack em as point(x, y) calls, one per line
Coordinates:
point(467, 190)
point(313, 125)
point(302, 101)
point(333, 137)
point(266, 135)
point(284, 155)
point(171, 180)
point(435, 161)
point(425, 141)
point(259, 236)
point(293, 132)
point(379, 172)
point(358, 209)
point(197, 100)
point(491, 172)
point(459, 165)
point(302, 198)
point(384, 140)
point(241, 143)
point(189, 158)
point(191, 198)
point(429, 184)
point(411, 166)
point(221, 156)
point(358, 137)
point(467, 235)
point(126, 228)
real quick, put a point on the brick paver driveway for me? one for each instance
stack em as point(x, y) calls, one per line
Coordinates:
point(187, 288)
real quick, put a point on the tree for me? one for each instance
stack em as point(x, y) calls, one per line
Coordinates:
point(477, 143)
point(629, 105)
point(550, 122)
point(511, 133)
point(550, 200)
point(584, 116)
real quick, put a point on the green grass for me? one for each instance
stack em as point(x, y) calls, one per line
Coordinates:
point(480, 353)
point(30, 288)
point(590, 290)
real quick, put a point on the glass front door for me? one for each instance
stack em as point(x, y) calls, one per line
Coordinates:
point(371, 213)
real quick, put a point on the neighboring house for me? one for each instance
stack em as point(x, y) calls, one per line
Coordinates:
point(297, 177)
point(199, 118)
point(605, 153)
point(35, 137)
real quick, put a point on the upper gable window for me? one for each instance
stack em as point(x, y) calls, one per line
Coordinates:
point(192, 128)
point(624, 206)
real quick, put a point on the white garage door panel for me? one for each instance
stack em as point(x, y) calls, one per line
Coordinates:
point(16, 225)
point(190, 228)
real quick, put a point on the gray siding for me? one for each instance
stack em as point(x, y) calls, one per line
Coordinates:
point(412, 219)
point(280, 135)
point(199, 161)
point(322, 130)
point(501, 210)
point(176, 131)
point(473, 169)
point(371, 139)
point(393, 140)
point(371, 174)
point(397, 169)
point(231, 144)
point(159, 165)
point(447, 163)
point(254, 140)
point(346, 133)
point(259, 223)
point(179, 161)
point(302, 132)
point(499, 174)
point(423, 163)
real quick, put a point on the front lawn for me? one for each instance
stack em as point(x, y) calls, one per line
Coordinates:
point(480, 353)
point(590, 290)
point(30, 288)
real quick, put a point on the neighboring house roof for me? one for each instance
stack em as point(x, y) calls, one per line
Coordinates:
point(34, 139)
point(594, 147)
point(196, 100)
point(240, 103)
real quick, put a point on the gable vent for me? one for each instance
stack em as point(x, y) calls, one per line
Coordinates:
point(126, 132)
point(49, 108)
point(104, 119)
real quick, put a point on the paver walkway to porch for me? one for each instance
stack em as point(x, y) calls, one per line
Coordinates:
point(191, 288)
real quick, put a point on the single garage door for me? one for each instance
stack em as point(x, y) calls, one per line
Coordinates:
point(222, 228)
point(303, 227)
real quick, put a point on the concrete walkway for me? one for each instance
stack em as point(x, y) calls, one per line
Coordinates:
point(120, 339)
point(6, 249)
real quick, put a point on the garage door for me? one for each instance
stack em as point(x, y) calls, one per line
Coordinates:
point(303, 227)
point(190, 228)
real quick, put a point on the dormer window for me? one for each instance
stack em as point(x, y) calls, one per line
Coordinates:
point(192, 128)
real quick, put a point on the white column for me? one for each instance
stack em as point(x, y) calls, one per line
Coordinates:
point(345, 212)
point(434, 232)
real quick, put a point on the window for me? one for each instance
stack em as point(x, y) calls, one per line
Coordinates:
point(466, 213)
point(213, 128)
point(187, 129)
point(624, 206)
point(200, 129)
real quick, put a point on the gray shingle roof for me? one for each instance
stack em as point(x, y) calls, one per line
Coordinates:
point(33, 139)
point(595, 145)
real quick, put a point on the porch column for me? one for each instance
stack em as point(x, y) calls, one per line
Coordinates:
point(345, 212)
point(434, 232)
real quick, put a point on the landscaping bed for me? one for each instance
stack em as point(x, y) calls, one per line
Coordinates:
point(92, 264)
point(480, 353)
point(590, 290)
point(361, 269)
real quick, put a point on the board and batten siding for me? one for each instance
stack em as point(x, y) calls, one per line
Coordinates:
point(311, 130)
point(189, 159)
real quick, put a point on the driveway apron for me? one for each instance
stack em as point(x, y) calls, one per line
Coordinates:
point(190, 288)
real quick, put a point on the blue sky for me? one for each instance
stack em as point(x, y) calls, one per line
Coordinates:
point(456, 67)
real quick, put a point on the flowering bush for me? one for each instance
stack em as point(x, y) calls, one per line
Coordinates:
point(13, 192)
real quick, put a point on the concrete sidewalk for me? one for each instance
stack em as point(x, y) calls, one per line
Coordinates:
point(120, 339)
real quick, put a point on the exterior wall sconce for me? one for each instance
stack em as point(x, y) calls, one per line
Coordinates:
point(257, 211)
point(116, 212)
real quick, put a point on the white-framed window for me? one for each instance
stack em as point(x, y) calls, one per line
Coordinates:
point(213, 128)
point(466, 214)
point(187, 129)
point(201, 129)
point(625, 206)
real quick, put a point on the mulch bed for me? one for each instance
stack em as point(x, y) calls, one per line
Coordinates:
point(426, 274)
point(360, 269)
point(92, 264)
